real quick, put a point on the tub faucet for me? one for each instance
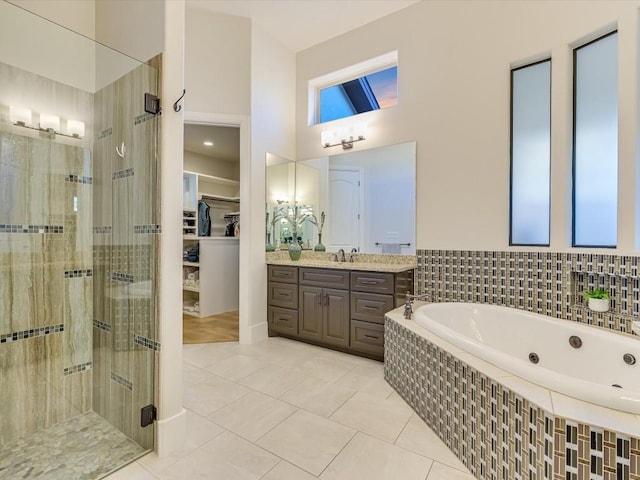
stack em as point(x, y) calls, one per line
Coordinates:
point(408, 303)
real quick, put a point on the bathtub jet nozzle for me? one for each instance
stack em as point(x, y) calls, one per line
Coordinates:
point(629, 359)
point(533, 357)
point(575, 342)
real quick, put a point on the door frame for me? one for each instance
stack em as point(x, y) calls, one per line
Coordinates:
point(242, 122)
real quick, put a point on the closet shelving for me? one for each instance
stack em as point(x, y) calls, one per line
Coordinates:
point(213, 250)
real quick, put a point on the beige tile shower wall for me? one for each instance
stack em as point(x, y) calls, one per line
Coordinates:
point(548, 283)
point(45, 262)
point(125, 237)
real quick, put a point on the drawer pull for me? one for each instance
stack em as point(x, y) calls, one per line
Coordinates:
point(369, 282)
point(369, 307)
point(280, 274)
point(283, 294)
point(373, 337)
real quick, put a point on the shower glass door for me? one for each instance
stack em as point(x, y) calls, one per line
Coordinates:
point(79, 239)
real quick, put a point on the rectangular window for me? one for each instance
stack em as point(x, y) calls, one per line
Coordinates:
point(530, 154)
point(595, 143)
point(369, 92)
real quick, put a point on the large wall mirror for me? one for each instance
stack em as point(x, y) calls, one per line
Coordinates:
point(364, 200)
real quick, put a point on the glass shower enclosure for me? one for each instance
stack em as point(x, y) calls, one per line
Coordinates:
point(79, 233)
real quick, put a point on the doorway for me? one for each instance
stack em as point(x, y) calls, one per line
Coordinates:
point(211, 233)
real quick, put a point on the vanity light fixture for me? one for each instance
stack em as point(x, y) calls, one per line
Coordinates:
point(75, 128)
point(20, 116)
point(49, 123)
point(345, 136)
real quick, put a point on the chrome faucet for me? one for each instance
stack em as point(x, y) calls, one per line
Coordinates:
point(351, 255)
point(340, 256)
point(408, 303)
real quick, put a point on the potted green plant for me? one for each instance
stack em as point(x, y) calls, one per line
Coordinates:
point(597, 299)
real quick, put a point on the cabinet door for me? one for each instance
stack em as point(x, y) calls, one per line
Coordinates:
point(336, 317)
point(310, 313)
point(283, 320)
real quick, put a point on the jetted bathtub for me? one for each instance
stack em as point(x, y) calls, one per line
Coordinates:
point(600, 371)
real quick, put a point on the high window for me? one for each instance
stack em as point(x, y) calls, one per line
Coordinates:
point(530, 154)
point(370, 92)
point(595, 143)
point(363, 87)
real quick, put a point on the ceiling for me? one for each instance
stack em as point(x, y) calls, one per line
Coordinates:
point(300, 24)
point(226, 141)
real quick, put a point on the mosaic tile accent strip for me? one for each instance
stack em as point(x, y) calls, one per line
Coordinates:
point(102, 326)
point(34, 332)
point(122, 277)
point(78, 179)
point(77, 368)
point(122, 174)
point(102, 229)
point(78, 273)
point(122, 381)
point(7, 228)
point(143, 118)
point(146, 342)
point(153, 228)
point(497, 434)
point(541, 282)
point(104, 134)
point(83, 448)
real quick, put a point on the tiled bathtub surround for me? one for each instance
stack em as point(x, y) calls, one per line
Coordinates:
point(495, 432)
point(541, 282)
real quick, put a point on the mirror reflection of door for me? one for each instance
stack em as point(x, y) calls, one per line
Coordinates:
point(345, 221)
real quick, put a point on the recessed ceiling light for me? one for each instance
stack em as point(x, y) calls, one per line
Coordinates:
point(208, 143)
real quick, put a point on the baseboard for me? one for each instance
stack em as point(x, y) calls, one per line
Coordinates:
point(171, 434)
point(254, 333)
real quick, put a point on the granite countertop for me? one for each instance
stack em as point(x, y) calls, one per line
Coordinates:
point(362, 261)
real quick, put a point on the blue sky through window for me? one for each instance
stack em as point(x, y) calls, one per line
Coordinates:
point(371, 92)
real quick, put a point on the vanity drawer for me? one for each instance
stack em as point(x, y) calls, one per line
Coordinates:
point(283, 274)
point(370, 307)
point(367, 337)
point(283, 295)
point(373, 282)
point(283, 320)
point(318, 277)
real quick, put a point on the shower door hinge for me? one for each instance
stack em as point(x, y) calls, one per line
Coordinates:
point(148, 415)
point(152, 104)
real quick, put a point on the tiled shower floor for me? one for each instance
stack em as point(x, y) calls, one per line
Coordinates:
point(82, 448)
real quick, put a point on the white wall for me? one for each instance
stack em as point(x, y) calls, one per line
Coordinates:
point(273, 76)
point(39, 46)
point(217, 63)
point(71, 14)
point(454, 62)
point(134, 28)
point(194, 162)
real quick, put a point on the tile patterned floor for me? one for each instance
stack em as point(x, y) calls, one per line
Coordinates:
point(83, 447)
point(284, 410)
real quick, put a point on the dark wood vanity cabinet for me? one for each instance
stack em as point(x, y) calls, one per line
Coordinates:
point(337, 308)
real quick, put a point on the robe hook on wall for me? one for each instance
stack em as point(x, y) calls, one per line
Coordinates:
point(176, 107)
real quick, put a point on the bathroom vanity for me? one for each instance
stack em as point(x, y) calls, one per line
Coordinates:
point(338, 305)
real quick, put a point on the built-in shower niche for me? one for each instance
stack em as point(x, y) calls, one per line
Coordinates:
point(624, 291)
